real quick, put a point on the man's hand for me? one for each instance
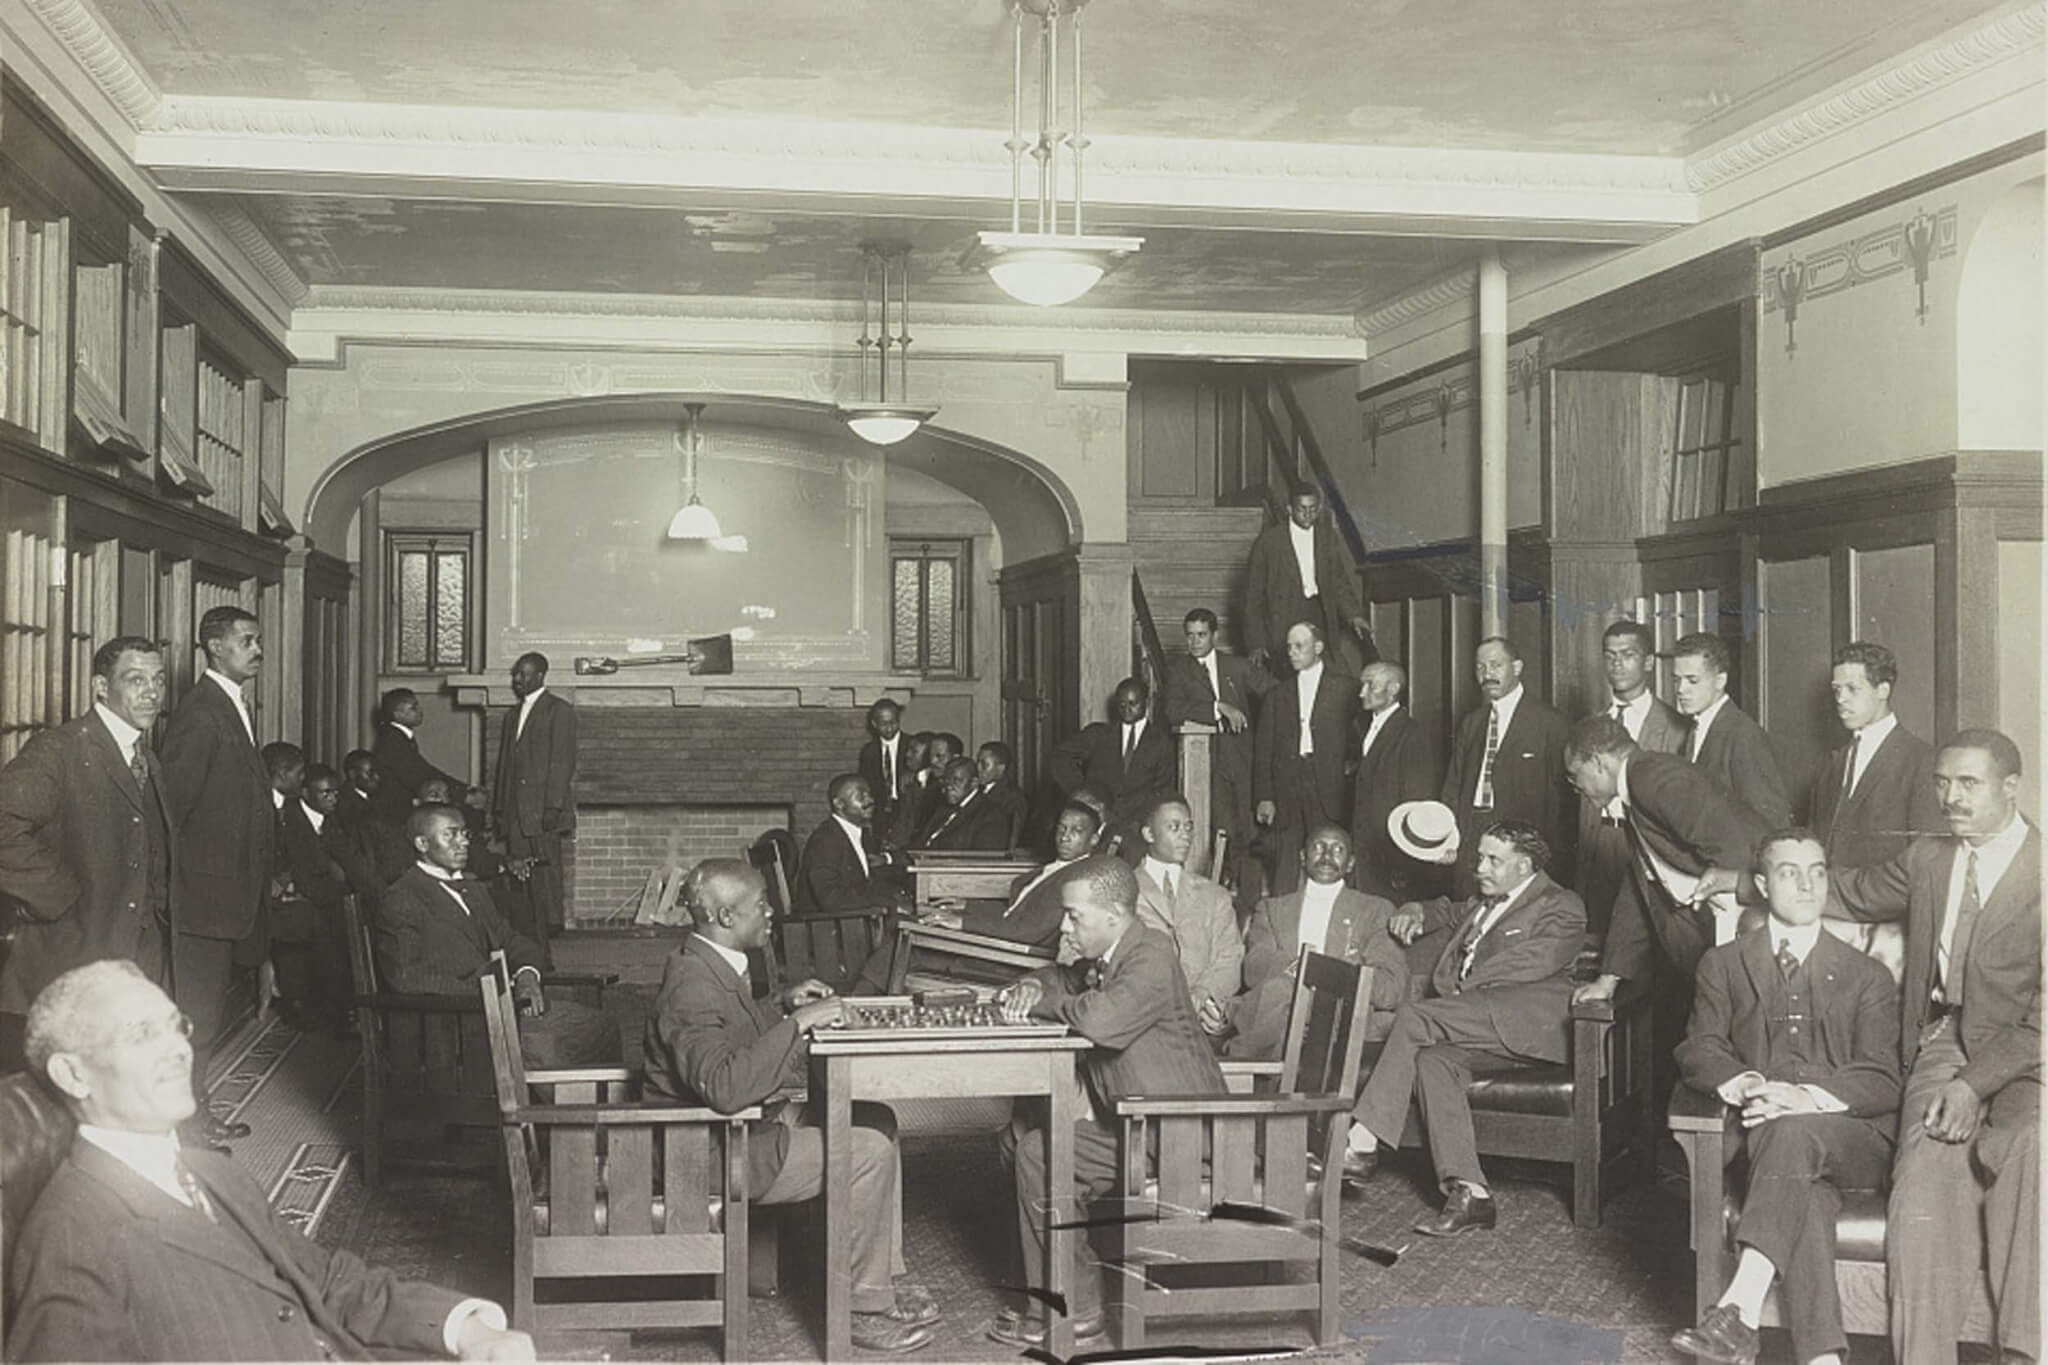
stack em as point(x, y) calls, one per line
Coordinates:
point(819, 1014)
point(1018, 998)
point(1775, 1099)
point(478, 1340)
point(945, 919)
point(1955, 1113)
point(1361, 627)
point(521, 868)
point(1232, 717)
point(1715, 881)
point(527, 997)
point(1599, 988)
point(804, 992)
point(1211, 1017)
point(1265, 813)
point(1406, 925)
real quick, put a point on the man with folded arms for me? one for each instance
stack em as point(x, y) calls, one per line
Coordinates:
point(711, 1042)
point(1801, 1032)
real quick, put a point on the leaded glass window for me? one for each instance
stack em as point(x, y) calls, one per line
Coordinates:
point(427, 603)
point(928, 607)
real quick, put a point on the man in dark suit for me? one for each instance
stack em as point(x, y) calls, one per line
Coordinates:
point(1689, 843)
point(966, 820)
point(533, 795)
point(838, 871)
point(1205, 687)
point(995, 787)
point(401, 770)
point(226, 822)
point(1507, 763)
point(917, 792)
point(1874, 795)
point(1131, 762)
point(1033, 912)
point(884, 761)
point(1801, 1032)
point(1628, 651)
point(138, 1250)
point(1299, 750)
point(1395, 765)
point(1329, 917)
point(1299, 572)
point(436, 931)
point(711, 1042)
point(1500, 995)
point(85, 839)
point(1968, 1172)
point(310, 944)
point(1724, 741)
point(1124, 993)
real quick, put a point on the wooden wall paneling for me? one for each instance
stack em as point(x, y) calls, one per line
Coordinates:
point(1723, 277)
point(1429, 694)
point(1742, 491)
point(1598, 438)
point(1171, 440)
point(54, 309)
point(278, 682)
point(1972, 649)
point(1891, 602)
point(1797, 610)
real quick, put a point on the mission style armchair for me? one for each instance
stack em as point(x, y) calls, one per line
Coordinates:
point(831, 945)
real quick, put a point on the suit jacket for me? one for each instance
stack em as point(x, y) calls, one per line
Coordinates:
point(1273, 584)
point(1202, 923)
point(1739, 755)
point(426, 945)
point(1522, 969)
point(1033, 919)
point(1329, 726)
point(1399, 767)
point(1139, 1017)
point(710, 1042)
point(404, 771)
point(1094, 758)
point(1854, 1010)
point(1272, 944)
point(833, 876)
point(317, 876)
point(72, 851)
point(1892, 805)
point(1664, 732)
point(1189, 698)
point(222, 811)
point(915, 805)
point(1528, 784)
point(536, 767)
point(109, 1267)
point(1693, 823)
point(871, 769)
point(1009, 802)
point(2000, 1023)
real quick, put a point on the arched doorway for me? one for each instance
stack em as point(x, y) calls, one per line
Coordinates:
point(1998, 327)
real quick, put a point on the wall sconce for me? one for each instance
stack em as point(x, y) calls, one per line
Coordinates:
point(1920, 234)
point(1791, 281)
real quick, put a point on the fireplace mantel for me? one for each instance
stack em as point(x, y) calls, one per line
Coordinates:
point(661, 686)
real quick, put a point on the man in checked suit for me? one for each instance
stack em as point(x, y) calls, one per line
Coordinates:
point(85, 839)
point(140, 1250)
point(1500, 995)
point(1299, 750)
point(1124, 993)
point(711, 1042)
point(1968, 1174)
point(1627, 652)
point(1131, 762)
point(226, 823)
point(532, 796)
point(1875, 794)
point(1724, 741)
point(1395, 765)
point(1507, 763)
point(1206, 687)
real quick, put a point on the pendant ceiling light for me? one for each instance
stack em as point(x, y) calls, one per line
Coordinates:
point(693, 520)
point(1048, 266)
point(884, 421)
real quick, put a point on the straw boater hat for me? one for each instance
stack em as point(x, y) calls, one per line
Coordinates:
point(1424, 830)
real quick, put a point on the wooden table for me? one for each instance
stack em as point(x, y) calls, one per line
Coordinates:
point(876, 1064)
point(968, 876)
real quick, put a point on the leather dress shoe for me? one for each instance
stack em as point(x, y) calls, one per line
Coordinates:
point(1721, 1336)
point(889, 1333)
point(1358, 1168)
point(915, 1304)
point(1462, 1210)
point(1012, 1328)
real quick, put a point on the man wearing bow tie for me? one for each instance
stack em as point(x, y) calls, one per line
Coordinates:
point(1500, 995)
point(436, 931)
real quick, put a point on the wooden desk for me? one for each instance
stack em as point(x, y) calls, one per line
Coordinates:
point(872, 1064)
point(974, 876)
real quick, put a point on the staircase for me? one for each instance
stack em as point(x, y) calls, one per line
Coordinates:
point(1191, 556)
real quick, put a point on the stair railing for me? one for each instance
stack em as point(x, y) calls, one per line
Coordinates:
point(1147, 653)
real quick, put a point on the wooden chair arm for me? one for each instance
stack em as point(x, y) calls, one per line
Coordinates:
point(1251, 1068)
point(1238, 1106)
point(422, 1004)
point(1629, 997)
point(577, 1075)
point(589, 1115)
point(1697, 1111)
point(821, 916)
point(581, 980)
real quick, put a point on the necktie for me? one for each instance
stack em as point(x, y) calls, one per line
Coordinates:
point(1619, 711)
point(139, 765)
point(455, 890)
point(1094, 977)
point(195, 1193)
point(1959, 941)
point(1482, 795)
point(1130, 740)
point(1477, 932)
point(1849, 769)
point(1692, 745)
point(1166, 876)
point(1787, 964)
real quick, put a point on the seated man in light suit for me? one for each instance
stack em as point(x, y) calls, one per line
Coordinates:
point(138, 1250)
point(1500, 995)
point(1819, 1103)
point(1329, 917)
point(1194, 913)
point(710, 1042)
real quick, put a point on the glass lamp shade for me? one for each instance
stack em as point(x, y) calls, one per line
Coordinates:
point(1049, 269)
point(694, 521)
point(884, 424)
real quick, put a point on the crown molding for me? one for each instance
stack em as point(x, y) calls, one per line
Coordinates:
point(1439, 293)
point(252, 241)
point(102, 55)
point(1940, 67)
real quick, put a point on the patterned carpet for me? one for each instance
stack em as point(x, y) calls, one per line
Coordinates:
point(1538, 1291)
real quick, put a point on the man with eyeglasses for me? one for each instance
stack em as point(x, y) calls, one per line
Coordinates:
point(141, 1250)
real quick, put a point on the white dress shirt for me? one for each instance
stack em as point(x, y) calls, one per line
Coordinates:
point(1701, 723)
point(1305, 684)
point(315, 817)
point(1867, 741)
point(1994, 856)
point(1318, 903)
point(853, 836)
point(733, 957)
point(125, 735)
point(1208, 663)
point(889, 762)
point(1505, 709)
point(526, 705)
point(1373, 728)
point(448, 880)
point(1633, 713)
point(234, 691)
point(276, 799)
point(1166, 875)
point(1304, 542)
point(1134, 733)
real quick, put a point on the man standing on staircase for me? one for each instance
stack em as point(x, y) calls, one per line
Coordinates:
point(1298, 572)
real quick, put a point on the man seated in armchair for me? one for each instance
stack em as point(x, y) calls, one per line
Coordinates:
point(1801, 1031)
point(711, 1042)
point(1032, 914)
point(436, 930)
point(1329, 917)
point(140, 1250)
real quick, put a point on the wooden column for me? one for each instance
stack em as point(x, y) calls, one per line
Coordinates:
point(1194, 739)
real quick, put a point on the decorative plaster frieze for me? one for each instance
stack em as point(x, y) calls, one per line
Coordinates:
point(253, 242)
point(2008, 36)
point(1413, 304)
point(102, 55)
point(1863, 259)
